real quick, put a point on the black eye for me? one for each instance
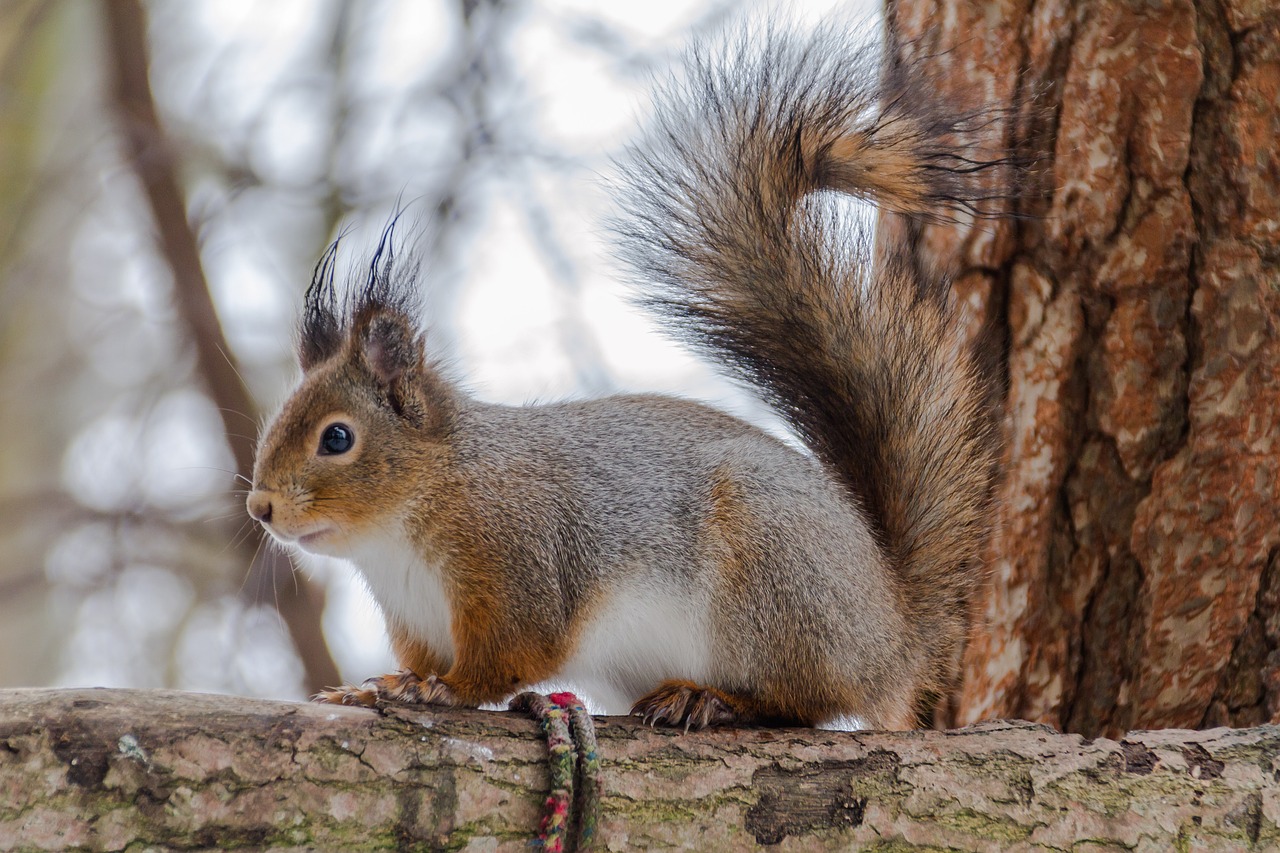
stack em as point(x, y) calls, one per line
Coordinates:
point(337, 439)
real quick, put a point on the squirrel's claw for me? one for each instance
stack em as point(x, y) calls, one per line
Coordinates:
point(401, 688)
point(683, 703)
point(347, 695)
point(431, 691)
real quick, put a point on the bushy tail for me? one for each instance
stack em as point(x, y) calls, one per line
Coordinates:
point(743, 257)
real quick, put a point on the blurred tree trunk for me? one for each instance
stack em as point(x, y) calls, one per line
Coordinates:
point(272, 579)
point(1135, 580)
point(33, 40)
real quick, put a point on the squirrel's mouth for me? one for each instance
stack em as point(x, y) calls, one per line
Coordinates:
point(303, 540)
point(307, 539)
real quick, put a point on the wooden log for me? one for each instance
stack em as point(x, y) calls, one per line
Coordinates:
point(133, 769)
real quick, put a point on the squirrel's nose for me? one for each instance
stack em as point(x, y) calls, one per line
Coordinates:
point(260, 506)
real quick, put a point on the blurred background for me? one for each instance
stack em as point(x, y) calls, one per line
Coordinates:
point(157, 231)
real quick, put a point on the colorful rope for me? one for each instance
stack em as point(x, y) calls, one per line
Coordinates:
point(573, 804)
point(589, 784)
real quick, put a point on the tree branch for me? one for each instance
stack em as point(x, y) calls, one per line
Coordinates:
point(106, 769)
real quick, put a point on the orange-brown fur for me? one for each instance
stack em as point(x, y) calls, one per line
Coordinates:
point(413, 654)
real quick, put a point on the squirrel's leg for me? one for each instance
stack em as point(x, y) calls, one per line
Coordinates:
point(693, 706)
point(498, 652)
point(495, 655)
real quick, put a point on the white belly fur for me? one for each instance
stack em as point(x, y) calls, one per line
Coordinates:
point(409, 589)
point(645, 632)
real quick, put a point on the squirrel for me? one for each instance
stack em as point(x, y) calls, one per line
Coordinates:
point(665, 557)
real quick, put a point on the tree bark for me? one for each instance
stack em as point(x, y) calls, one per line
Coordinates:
point(110, 769)
point(1135, 571)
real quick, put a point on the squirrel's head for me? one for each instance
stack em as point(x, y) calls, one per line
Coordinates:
point(364, 431)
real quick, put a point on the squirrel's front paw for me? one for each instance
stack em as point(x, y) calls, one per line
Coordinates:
point(347, 695)
point(683, 703)
point(401, 688)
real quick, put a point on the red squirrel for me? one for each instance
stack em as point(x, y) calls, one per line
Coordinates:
point(666, 557)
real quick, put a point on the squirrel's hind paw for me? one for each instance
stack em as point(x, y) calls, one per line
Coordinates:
point(401, 688)
point(683, 703)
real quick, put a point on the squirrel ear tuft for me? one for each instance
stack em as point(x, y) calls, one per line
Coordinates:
point(392, 348)
point(321, 332)
point(318, 342)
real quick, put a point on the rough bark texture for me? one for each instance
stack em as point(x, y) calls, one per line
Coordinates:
point(1135, 578)
point(117, 769)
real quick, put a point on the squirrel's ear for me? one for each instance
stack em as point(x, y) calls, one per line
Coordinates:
point(392, 348)
point(393, 352)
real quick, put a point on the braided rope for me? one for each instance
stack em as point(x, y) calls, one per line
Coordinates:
point(573, 805)
point(552, 834)
point(589, 784)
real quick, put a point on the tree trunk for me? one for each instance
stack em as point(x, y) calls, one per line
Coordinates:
point(1135, 578)
point(110, 769)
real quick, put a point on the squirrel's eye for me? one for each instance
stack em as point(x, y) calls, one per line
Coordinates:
point(337, 438)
